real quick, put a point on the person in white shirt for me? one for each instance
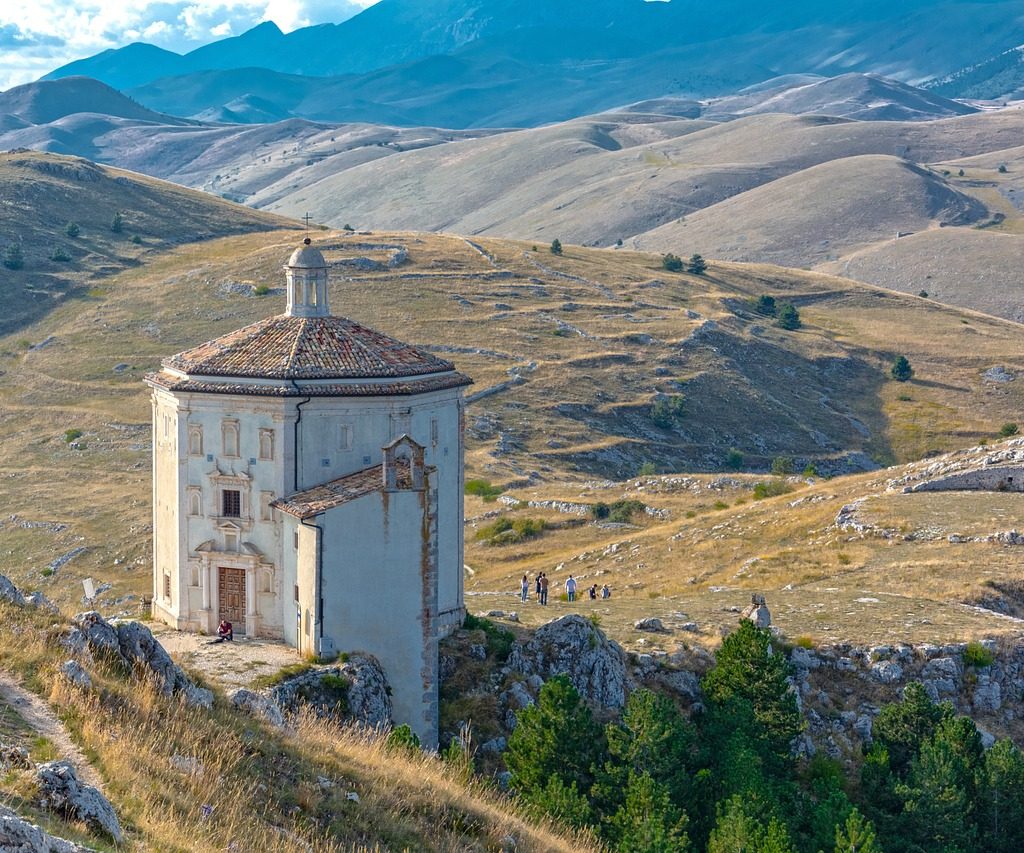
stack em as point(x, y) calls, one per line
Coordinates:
point(570, 588)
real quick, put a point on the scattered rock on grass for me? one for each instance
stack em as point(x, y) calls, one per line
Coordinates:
point(61, 791)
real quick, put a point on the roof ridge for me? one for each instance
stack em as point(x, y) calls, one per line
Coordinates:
point(295, 343)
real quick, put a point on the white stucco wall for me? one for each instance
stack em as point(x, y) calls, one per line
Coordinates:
point(380, 596)
point(336, 437)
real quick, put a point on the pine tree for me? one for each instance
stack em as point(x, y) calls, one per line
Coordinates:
point(738, 831)
point(648, 822)
point(747, 671)
point(788, 317)
point(902, 727)
point(766, 305)
point(901, 369)
point(857, 835)
point(14, 259)
point(556, 247)
point(117, 223)
point(1002, 813)
point(72, 229)
point(697, 265)
point(672, 263)
point(555, 737)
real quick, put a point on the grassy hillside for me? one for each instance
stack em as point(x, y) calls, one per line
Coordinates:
point(59, 212)
point(593, 338)
point(312, 788)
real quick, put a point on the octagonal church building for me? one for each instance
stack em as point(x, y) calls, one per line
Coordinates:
point(307, 486)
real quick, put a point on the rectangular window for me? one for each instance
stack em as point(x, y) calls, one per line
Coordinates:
point(296, 593)
point(345, 437)
point(231, 503)
point(167, 586)
point(433, 431)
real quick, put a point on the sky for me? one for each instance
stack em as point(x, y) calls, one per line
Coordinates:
point(40, 35)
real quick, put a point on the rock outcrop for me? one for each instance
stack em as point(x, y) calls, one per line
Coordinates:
point(574, 646)
point(356, 690)
point(75, 673)
point(17, 835)
point(10, 593)
point(61, 791)
point(258, 705)
point(134, 645)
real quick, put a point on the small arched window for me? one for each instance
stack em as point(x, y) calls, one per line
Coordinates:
point(229, 434)
point(266, 444)
point(195, 441)
point(195, 502)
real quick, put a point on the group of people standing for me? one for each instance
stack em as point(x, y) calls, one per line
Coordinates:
point(571, 586)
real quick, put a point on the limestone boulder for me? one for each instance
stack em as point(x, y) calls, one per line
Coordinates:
point(75, 673)
point(10, 593)
point(142, 651)
point(17, 835)
point(258, 705)
point(651, 623)
point(574, 646)
point(886, 671)
point(41, 602)
point(61, 791)
point(681, 682)
point(356, 690)
point(987, 695)
point(100, 635)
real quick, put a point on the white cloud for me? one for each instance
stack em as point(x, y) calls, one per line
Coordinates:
point(37, 37)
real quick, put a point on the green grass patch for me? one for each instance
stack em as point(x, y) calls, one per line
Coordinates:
point(284, 673)
point(978, 656)
point(771, 489)
point(506, 531)
point(482, 489)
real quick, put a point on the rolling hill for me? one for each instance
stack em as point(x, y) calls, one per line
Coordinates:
point(572, 351)
point(45, 195)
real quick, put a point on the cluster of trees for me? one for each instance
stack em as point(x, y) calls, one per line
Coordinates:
point(728, 780)
point(673, 263)
point(785, 313)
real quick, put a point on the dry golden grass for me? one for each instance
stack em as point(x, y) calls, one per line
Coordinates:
point(581, 414)
point(264, 787)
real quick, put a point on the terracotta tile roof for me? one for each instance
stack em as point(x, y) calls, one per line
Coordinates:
point(284, 347)
point(357, 389)
point(326, 496)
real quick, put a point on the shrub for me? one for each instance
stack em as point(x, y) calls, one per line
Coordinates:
point(621, 511)
point(673, 263)
point(60, 255)
point(482, 489)
point(556, 247)
point(136, 239)
point(666, 411)
point(347, 227)
point(978, 656)
point(771, 489)
point(961, 173)
point(1002, 168)
point(923, 294)
point(646, 470)
point(719, 505)
point(261, 290)
point(901, 370)
point(697, 265)
point(403, 738)
point(72, 229)
point(788, 317)
point(117, 223)
point(782, 466)
point(14, 258)
point(1006, 430)
point(733, 459)
point(504, 531)
point(72, 434)
point(843, 558)
point(499, 640)
point(810, 470)
point(805, 642)
point(766, 305)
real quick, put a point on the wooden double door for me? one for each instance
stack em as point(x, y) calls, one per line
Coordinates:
point(231, 597)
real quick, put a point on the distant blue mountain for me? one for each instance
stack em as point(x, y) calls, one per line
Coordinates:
point(469, 62)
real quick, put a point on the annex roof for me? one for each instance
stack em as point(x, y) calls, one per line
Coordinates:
point(319, 499)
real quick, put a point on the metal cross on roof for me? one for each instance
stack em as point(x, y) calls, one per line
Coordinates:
point(306, 219)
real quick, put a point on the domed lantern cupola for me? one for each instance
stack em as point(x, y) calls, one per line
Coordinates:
point(306, 274)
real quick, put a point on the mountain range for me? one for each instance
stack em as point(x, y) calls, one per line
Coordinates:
point(475, 63)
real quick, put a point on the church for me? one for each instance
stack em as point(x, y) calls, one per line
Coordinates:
point(308, 487)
